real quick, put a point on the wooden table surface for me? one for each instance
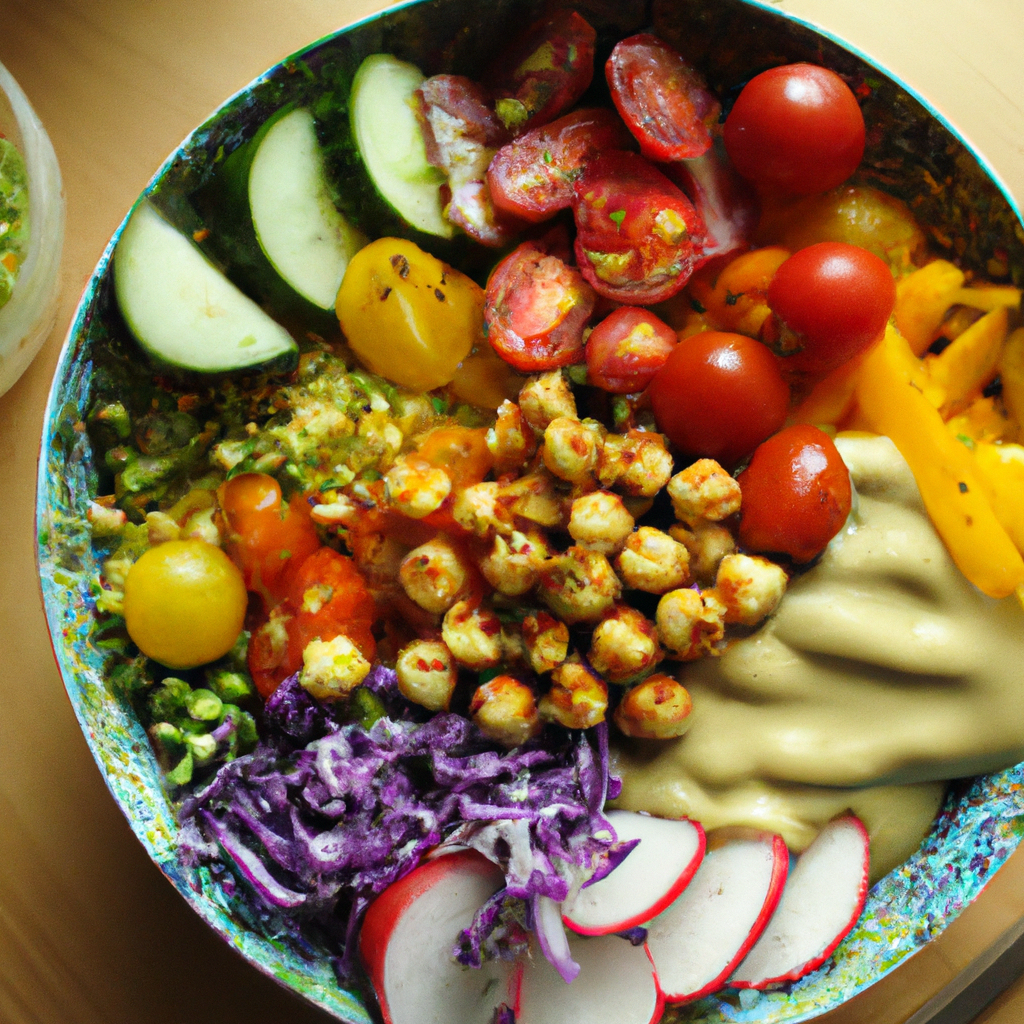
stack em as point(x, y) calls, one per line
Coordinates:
point(90, 933)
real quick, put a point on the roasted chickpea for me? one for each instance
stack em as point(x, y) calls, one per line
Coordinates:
point(599, 522)
point(505, 710)
point(434, 575)
point(652, 561)
point(427, 674)
point(546, 640)
point(704, 490)
point(545, 398)
point(690, 623)
point(657, 709)
point(578, 585)
point(750, 587)
point(570, 449)
point(473, 635)
point(623, 645)
point(578, 698)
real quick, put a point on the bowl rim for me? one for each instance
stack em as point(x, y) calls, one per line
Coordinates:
point(749, 1006)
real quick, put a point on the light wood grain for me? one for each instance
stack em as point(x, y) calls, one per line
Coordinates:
point(89, 931)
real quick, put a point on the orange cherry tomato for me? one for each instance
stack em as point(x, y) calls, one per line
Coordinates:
point(796, 494)
point(326, 597)
point(267, 539)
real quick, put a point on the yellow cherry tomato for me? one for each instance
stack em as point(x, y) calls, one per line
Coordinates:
point(407, 315)
point(184, 603)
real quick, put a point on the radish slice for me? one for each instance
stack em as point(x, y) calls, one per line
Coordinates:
point(820, 904)
point(653, 874)
point(698, 941)
point(407, 939)
point(616, 985)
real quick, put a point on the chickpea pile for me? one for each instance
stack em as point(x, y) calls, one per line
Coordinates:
point(509, 595)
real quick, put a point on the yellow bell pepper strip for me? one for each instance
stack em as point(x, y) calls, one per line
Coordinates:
point(407, 315)
point(831, 399)
point(1001, 475)
point(989, 297)
point(922, 299)
point(982, 420)
point(891, 401)
point(969, 363)
point(1011, 369)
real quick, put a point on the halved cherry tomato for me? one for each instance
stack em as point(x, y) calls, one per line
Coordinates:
point(719, 396)
point(545, 72)
point(327, 597)
point(267, 539)
point(532, 177)
point(535, 310)
point(796, 494)
point(637, 236)
point(626, 349)
point(795, 130)
point(664, 101)
point(830, 301)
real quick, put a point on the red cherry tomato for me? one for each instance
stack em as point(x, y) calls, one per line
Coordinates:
point(796, 494)
point(796, 130)
point(664, 101)
point(719, 396)
point(544, 73)
point(626, 349)
point(267, 539)
point(831, 301)
point(637, 236)
point(533, 176)
point(535, 310)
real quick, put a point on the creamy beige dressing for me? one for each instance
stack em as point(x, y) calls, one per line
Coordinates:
point(883, 674)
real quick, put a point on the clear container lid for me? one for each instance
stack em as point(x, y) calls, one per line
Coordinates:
point(26, 319)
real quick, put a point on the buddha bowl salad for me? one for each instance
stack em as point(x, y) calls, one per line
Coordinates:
point(516, 410)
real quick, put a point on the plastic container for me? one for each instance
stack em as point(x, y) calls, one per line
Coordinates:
point(26, 319)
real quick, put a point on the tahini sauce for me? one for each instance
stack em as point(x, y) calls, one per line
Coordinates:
point(883, 674)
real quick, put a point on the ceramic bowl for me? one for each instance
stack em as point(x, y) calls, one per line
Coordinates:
point(26, 319)
point(909, 146)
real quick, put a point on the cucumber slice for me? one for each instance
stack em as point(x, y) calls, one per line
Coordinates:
point(307, 241)
point(390, 142)
point(184, 312)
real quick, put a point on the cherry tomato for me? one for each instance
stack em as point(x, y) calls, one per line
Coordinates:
point(626, 349)
point(546, 72)
point(796, 130)
point(719, 396)
point(664, 101)
point(267, 539)
point(796, 494)
point(830, 301)
point(533, 176)
point(184, 603)
point(637, 236)
point(327, 597)
point(535, 310)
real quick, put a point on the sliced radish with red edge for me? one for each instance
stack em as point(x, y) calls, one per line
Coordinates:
point(616, 985)
point(698, 941)
point(407, 940)
point(654, 873)
point(822, 900)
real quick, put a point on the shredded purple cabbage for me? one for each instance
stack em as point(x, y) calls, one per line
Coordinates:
point(323, 816)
